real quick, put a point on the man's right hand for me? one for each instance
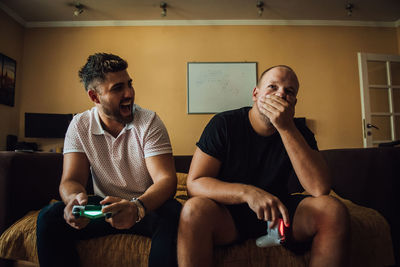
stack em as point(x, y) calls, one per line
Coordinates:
point(77, 223)
point(267, 207)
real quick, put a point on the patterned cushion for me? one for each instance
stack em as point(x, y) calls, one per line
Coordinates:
point(371, 244)
point(181, 193)
point(182, 179)
point(19, 241)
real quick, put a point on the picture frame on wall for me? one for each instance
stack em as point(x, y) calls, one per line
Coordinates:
point(8, 69)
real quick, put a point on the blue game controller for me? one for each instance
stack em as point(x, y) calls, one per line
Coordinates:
point(90, 211)
point(274, 237)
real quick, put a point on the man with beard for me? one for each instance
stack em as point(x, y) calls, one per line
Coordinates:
point(127, 151)
point(239, 178)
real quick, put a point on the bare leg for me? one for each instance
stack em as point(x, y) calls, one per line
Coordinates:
point(326, 220)
point(203, 224)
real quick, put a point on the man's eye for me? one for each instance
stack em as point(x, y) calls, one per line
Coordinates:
point(117, 88)
point(272, 86)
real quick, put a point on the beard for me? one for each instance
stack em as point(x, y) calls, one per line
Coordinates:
point(114, 113)
point(263, 117)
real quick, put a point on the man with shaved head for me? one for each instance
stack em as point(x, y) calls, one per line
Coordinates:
point(239, 176)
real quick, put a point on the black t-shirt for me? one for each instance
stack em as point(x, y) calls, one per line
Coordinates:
point(248, 157)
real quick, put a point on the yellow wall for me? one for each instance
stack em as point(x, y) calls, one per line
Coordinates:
point(325, 59)
point(11, 36)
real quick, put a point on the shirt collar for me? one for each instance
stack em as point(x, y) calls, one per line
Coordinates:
point(96, 127)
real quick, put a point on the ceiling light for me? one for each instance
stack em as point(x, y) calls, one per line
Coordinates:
point(163, 6)
point(78, 9)
point(349, 8)
point(260, 7)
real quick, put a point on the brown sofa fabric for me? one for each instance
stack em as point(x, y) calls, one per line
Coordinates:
point(368, 177)
point(371, 244)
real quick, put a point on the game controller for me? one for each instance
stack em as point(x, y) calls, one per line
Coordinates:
point(274, 236)
point(90, 211)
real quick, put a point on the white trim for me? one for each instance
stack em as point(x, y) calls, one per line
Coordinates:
point(381, 114)
point(391, 100)
point(365, 101)
point(365, 110)
point(12, 14)
point(156, 153)
point(380, 57)
point(105, 23)
point(376, 86)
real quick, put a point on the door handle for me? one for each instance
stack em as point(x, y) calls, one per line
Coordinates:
point(369, 125)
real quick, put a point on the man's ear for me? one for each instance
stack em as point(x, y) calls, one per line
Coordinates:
point(255, 93)
point(94, 96)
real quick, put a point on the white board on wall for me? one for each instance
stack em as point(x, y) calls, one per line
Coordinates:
point(219, 86)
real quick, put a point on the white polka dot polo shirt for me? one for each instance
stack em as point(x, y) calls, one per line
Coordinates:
point(118, 164)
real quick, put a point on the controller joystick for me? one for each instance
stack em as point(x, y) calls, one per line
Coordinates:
point(274, 236)
point(90, 211)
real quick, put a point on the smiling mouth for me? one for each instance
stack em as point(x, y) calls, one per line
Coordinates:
point(126, 107)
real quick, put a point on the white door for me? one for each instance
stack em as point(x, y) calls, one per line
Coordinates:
point(380, 97)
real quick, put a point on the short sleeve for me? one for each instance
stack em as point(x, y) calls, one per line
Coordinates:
point(307, 134)
point(310, 138)
point(72, 142)
point(213, 139)
point(156, 141)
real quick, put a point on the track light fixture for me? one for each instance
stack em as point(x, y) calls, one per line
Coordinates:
point(349, 8)
point(260, 7)
point(163, 6)
point(78, 9)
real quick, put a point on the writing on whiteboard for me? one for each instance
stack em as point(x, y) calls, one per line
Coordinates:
point(217, 87)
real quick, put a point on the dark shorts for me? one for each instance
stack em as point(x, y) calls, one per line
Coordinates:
point(249, 226)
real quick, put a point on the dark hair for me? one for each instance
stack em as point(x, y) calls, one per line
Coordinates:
point(98, 65)
point(296, 80)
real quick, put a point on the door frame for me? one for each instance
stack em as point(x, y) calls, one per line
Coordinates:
point(365, 97)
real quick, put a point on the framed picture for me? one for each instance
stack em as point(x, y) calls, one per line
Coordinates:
point(7, 80)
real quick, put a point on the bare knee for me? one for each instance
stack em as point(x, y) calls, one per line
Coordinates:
point(332, 208)
point(332, 213)
point(197, 211)
point(203, 217)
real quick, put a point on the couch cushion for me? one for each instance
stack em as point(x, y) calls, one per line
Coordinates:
point(371, 240)
point(19, 240)
point(181, 179)
point(181, 192)
point(19, 243)
point(371, 245)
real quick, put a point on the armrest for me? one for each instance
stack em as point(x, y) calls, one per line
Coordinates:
point(28, 181)
point(367, 176)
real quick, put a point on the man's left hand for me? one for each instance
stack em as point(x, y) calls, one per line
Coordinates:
point(124, 212)
point(279, 110)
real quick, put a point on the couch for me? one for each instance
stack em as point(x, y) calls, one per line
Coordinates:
point(364, 179)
